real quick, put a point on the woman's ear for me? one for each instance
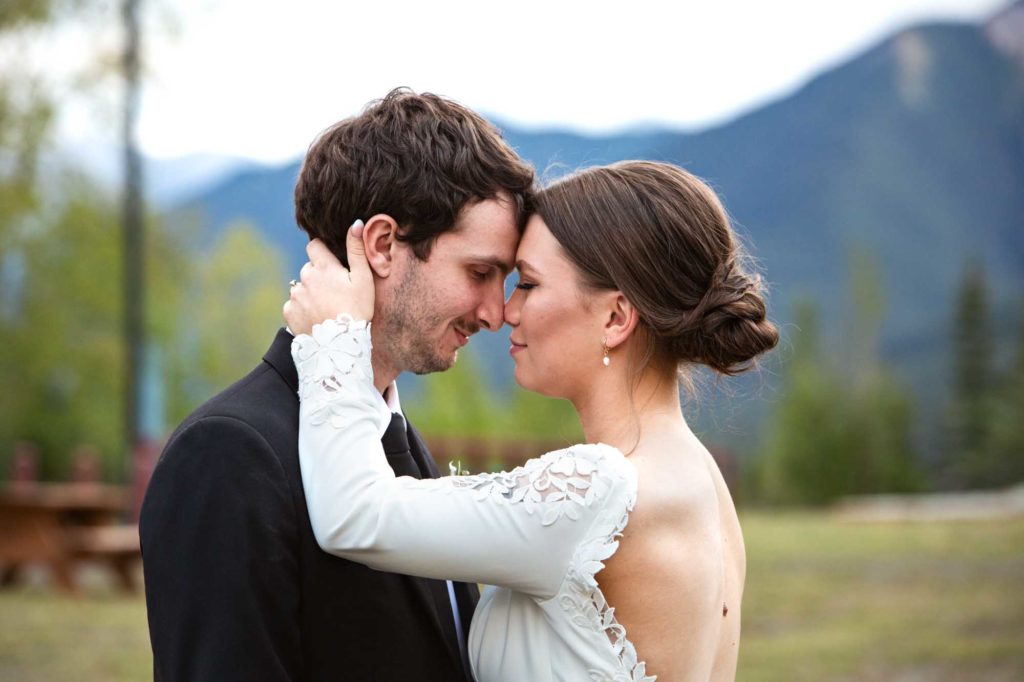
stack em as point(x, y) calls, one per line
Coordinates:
point(379, 240)
point(621, 319)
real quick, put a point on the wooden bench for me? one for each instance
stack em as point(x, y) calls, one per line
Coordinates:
point(57, 524)
point(117, 546)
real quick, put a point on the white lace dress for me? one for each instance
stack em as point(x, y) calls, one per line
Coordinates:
point(536, 535)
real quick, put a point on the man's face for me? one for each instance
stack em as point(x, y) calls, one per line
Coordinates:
point(429, 309)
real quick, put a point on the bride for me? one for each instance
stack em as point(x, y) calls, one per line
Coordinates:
point(618, 559)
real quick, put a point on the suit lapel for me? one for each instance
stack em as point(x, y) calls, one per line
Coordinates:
point(279, 356)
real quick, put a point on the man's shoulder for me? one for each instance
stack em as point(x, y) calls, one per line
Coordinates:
point(259, 403)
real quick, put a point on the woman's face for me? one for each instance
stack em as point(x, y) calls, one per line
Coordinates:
point(556, 335)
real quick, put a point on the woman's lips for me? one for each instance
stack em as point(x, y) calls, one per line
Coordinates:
point(516, 347)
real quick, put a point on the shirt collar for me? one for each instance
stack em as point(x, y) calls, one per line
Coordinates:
point(387, 405)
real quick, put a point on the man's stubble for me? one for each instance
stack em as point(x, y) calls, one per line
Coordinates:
point(407, 323)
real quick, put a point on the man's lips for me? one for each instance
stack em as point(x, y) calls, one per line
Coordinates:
point(462, 336)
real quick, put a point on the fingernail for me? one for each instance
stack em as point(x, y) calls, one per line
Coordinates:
point(356, 224)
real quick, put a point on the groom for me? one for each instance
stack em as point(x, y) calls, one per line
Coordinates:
point(236, 586)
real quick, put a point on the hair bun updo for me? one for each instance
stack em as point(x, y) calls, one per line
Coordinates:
point(729, 327)
point(661, 236)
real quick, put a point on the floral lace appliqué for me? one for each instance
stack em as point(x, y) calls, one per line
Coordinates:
point(562, 483)
point(558, 484)
point(582, 597)
point(335, 351)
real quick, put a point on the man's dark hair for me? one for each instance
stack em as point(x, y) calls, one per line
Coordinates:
point(419, 158)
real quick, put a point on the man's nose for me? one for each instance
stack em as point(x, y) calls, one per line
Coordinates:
point(492, 309)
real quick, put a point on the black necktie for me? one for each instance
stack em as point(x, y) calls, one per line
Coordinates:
point(395, 440)
point(396, 447)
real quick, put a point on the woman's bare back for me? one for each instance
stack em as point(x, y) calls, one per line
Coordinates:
point(676, 582)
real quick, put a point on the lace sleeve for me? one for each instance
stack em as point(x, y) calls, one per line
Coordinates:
point(335, 374)
point(518, 529)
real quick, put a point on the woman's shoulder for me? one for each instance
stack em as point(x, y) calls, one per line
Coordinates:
point(590, 475)
point(589, 461)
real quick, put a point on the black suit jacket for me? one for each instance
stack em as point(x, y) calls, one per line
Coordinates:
point(236, 586)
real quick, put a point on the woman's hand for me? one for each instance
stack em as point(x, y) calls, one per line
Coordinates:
point(327, 289)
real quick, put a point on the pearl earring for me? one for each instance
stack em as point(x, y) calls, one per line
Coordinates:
point(605, 360)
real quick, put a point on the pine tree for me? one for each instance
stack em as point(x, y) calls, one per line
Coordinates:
point(1007, 424)
point(970, 458)
point(809, 459)
point(843, 426)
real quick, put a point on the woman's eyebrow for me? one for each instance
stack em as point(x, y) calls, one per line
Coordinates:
point(523, 265)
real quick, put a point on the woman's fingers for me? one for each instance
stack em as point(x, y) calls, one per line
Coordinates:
point(327, 289)
point(357, 264)
point(319, 255)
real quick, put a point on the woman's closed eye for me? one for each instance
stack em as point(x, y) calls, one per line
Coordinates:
point(524, 285)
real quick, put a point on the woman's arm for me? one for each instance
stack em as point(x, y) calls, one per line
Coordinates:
point(517, 529)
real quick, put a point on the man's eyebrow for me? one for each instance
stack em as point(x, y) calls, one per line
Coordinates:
point(494, 262)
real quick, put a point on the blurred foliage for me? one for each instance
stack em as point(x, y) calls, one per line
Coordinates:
point(18, 13)
point(25, 117)
point(211, 319)
point(235, 292)
point(454, 403)
point(461, 403)
point(986, 433)
point(970, 451)
point(1008, 425)
point(844, 423)
point(61, 331)
point(210, 312)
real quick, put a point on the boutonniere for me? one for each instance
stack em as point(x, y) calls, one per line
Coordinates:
point(455, 467)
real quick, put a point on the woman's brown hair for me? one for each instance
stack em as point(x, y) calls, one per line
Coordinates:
point(661, 236)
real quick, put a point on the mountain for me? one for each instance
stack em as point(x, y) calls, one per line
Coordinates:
point(912, 152)
point(169, 182)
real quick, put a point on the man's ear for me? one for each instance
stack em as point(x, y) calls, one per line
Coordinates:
point(379, 240)
point(621, 319)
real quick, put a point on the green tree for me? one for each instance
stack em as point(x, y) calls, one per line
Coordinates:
point(1007, 425)
point(970, 459)
point(536, 416)
point(457, 402)
point(25, 117)
point(61, 264)
point(808, 459)
point(232, 309)
point(843, 425)
point(62, 325)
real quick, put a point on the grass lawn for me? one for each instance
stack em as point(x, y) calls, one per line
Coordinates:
point(825, 601)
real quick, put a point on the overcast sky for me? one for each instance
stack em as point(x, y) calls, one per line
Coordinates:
point(259, 79)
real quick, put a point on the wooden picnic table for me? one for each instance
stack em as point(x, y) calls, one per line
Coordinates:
point(59, 524)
